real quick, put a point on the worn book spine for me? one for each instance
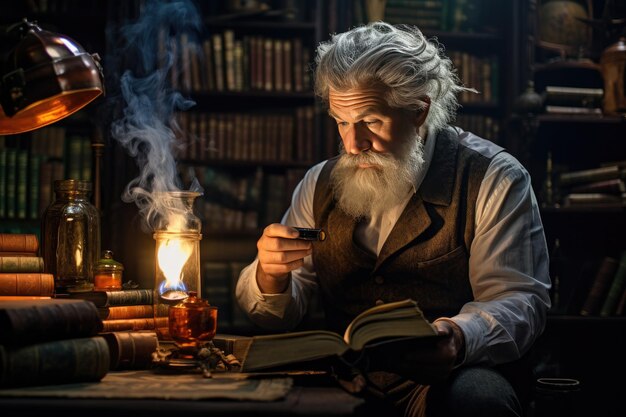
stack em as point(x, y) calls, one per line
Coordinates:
point(23, 297)
point(599, 199)
point(116, 298)
point(11, 186)
point(233, 344)
point(57, 362)
point(33, 186)
point(21, 264)
point(129, 297)
point(19, 242)
point(599, 286)
point(574, 97)
point(615, 291)
point(218, 61)
point(126, 312)
point(131, 349)
point(621, 306)
point(21, 184)
point(132, 324)
point(590, 175)
point(573, 110)
point(23, 283)
point(3, 182)
point(17, 253)
point(42, 320)
point(614, 186)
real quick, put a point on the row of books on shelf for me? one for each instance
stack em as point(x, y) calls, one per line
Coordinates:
point(239, 201)
point(27, 173)
point(285, 136)
point(602, 186)
point(439, 15)
point(481, 73)
point(599, 290)
point(224, 61)
point(573, 100)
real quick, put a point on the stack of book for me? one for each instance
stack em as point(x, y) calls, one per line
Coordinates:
point(127, 325)
point(51, 342)
point(122, 310)
point(607, 292)
point(573, 100)
point(21, 268)
point(599, 187)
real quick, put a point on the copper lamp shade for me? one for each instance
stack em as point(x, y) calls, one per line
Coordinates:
point(46, 77)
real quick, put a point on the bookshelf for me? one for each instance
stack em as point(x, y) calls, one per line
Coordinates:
point(554, 146)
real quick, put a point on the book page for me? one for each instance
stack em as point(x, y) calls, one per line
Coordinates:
point(401, 318)
point(275, 350)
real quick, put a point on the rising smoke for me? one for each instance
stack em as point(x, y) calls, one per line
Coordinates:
point(148, 128)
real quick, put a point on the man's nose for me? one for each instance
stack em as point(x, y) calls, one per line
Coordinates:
point(356, 139)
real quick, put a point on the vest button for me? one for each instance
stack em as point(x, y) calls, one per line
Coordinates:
point(379, 302)
point(379, 279)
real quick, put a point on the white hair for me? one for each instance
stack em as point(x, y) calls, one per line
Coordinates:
point(400, 60)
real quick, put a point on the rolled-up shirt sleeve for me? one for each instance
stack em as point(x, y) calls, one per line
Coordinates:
point(285, 310)
point(509, 268)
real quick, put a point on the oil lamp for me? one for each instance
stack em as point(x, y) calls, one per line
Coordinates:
point(192, 322)
point(177, 269)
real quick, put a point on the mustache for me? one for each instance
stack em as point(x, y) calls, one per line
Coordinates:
point(369, 158)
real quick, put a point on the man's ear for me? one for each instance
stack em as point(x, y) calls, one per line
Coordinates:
point(423, 112)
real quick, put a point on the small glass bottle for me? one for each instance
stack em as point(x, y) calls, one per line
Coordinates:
point(108, 274)
point(71, 237)
point(192, 322)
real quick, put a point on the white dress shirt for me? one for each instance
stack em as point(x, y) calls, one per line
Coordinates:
point(508, 264)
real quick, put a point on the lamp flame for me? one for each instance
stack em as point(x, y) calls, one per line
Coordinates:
point(172, 256)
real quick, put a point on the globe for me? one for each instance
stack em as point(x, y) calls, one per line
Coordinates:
point(559, 24)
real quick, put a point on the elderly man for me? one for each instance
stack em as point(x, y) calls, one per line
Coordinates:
point(413, 208)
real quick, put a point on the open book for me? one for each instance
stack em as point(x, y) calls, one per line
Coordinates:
point(381, 324)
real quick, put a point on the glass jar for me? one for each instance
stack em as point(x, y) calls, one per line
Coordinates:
point(108, 274)
point(71, 237)
point(177, 257)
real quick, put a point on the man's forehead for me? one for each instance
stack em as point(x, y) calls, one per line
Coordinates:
point(362, 99)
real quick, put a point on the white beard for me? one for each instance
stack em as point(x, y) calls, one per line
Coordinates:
point(367, 192)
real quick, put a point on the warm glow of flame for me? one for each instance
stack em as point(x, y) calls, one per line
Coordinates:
point(172, 256)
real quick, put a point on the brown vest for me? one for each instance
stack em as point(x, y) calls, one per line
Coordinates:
point(426, 254)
